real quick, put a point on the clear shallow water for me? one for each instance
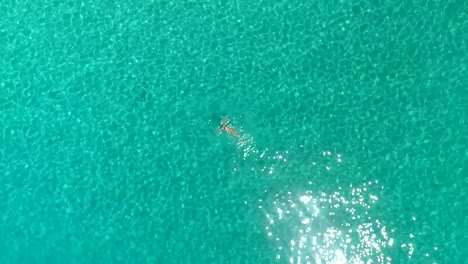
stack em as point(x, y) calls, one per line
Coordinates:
point(353, 123)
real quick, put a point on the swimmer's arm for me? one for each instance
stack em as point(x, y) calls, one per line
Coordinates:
point(225, 121)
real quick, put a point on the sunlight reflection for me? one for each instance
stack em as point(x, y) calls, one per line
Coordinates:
point(246, 143)
point(312, 226)
point(320, 227)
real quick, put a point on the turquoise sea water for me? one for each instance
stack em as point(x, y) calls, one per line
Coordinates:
point(352, 115)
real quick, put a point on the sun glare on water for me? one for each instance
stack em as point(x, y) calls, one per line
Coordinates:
point(312, 226)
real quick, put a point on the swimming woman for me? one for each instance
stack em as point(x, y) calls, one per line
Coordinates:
point(225, 127)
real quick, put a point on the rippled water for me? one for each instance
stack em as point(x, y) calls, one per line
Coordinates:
point(352, 120)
